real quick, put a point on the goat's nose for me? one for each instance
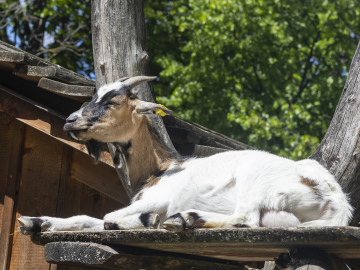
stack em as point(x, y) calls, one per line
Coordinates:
point(71, 118)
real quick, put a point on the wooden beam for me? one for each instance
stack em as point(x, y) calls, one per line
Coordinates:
point(257, 244)
point(339, 150)
point(12, 55)
point(101, 256)
point(200, 135)
point(13, 181)
point(53, 72)
point(119, 48)
point(76, 92)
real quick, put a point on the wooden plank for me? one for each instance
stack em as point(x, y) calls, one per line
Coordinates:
point(257, 244)
point(40, 118)
point(6, 138)
point(96, 255)
point(53, 72)
point(76, 92)
point(12, 57)
point(11, 54)
point(75, 198)
point(100, 177)
point(41, 167)
point(203, 136)
point(10, 198)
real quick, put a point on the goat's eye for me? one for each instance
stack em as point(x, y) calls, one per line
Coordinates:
point(111, 104)
point(132, 97)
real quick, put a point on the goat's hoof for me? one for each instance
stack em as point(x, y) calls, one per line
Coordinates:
point(30, 226)
point(111, 226)
point(156, 221)
point(175, 223)
point(150, 220)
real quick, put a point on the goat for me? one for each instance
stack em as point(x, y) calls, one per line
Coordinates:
point(232, 189)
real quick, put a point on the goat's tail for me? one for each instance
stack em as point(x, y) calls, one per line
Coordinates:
point(336, 209)
point(336, 212)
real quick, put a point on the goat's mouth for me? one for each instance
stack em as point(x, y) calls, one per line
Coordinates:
point(74, 134)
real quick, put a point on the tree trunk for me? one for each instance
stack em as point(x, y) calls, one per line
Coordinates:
point(119, 46)
point(339, 151)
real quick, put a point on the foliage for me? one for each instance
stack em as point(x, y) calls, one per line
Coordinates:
point(268, 73)
point(58, 30)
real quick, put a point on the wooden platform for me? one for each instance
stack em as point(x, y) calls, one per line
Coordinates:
point(231, 245)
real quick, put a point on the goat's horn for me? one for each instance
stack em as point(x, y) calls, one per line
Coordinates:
point(134, 81)
point(122, 79)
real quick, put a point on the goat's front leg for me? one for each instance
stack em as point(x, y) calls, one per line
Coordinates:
point(32, 225)
point(192, 219)
point(139, 215)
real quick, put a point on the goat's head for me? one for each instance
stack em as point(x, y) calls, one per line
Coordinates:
point(113, 115)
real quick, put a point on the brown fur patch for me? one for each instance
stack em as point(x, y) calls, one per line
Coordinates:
point(138, 198)
point(180, 163)
point(308, 182)
point(195, 221)
point(311, 184)
point(152, 181)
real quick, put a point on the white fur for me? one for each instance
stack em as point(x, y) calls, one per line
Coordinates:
point(107, 88)
point(238, 186)
point(254, 188)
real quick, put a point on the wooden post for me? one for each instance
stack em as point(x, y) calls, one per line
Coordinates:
point(119, 46)
point(339, 151)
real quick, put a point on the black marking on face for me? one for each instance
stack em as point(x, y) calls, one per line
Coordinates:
point(144, 218)
point(95, 110)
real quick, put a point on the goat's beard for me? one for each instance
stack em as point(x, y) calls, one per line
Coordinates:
point(94, 148)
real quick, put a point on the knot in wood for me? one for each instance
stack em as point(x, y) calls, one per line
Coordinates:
point(351, 98)
point(144, 56)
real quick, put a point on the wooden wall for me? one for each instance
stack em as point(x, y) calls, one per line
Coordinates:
point(38, 177)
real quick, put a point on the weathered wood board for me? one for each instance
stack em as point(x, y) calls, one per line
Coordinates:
point(41, 164)
point(11, 57)
point(11, 179)
point(257, 244)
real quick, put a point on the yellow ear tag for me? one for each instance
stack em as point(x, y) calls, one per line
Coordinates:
point(161, 112)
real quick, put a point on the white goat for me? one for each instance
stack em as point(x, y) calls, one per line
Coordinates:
point(226, 190)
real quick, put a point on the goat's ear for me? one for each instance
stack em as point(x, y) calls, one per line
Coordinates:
point(94, 148)
point(143, 107)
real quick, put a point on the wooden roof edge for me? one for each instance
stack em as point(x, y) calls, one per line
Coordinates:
point(31, 66)
point(201, 135)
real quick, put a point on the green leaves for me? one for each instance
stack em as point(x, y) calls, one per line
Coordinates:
point(268, 73)
point(58, 30)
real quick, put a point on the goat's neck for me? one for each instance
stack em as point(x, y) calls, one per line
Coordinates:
point(146, 155)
